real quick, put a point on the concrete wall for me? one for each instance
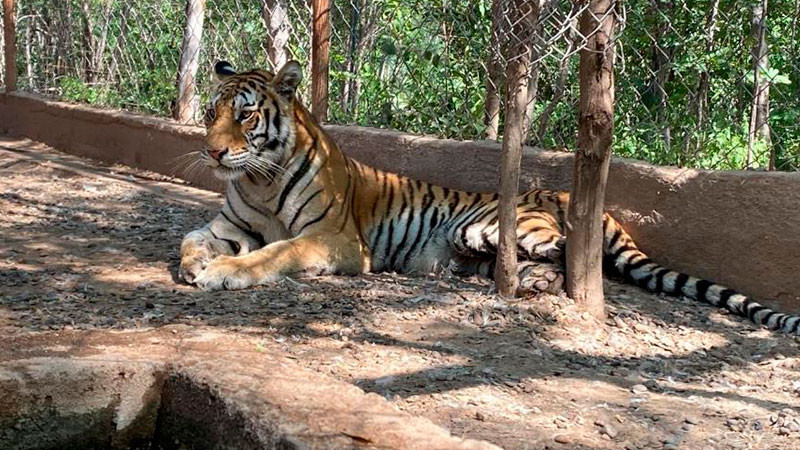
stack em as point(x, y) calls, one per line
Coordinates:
point(738, 228)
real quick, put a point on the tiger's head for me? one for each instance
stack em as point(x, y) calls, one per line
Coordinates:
point(250, 121)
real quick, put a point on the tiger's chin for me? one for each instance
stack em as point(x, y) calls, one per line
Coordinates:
point(227, 173)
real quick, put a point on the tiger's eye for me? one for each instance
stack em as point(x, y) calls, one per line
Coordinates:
point(244, 116)
point(210, 115)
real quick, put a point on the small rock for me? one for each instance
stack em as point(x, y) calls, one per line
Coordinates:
point(149, 305)
point(692, 420)
point(562, 439)
point(639, 389)
point(610, 431)
point(606, 428)
point(479, 416)
point(651, 384)
point(783, 431)
point(793, 426)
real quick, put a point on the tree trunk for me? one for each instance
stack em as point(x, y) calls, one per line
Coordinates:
point(187, 103)
point(369, 18)
point(595, 134)
point(537, 48)
point(99, 50)
point(701, 104)
point(517, 77)
point(320, 52)
point(350, 55)
point(759, 112)
point(276, 19)
point(2, 50)
point(28, 54)
point(558, 91)
point(117, 52)
point(662, 57)
point(530, 105)
point(494, 72)
point(10, 50)
point(87, 41)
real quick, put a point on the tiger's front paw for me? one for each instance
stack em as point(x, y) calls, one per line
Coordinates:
point(225, 272)
point(191, 267)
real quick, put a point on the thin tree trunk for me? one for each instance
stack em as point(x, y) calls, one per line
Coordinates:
point(369, 18)
point(276, 18)
point(2, 50)
point(558, 91)
point(661, 68)
point(530, 106)
point(350, 55)
point(703, 88)
point(187, 103)
point(99, 50)
point(87, 41)
point(28, 53)
point(701, 104)
point(537, 47)
point(759, 112)
point(494, 72)
point(320, 52)
point(595, 134)
point(117, 52)
point(517, 77)
point(10, 49)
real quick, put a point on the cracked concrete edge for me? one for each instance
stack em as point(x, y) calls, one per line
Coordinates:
point(281, 402)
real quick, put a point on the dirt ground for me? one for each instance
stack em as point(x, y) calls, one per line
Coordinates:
point(86, 246)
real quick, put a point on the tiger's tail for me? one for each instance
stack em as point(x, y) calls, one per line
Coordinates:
point(640, 270)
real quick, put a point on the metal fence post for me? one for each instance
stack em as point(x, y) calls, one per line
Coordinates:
point(9, 33)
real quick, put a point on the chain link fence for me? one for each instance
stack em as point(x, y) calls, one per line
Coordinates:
point(699, 83)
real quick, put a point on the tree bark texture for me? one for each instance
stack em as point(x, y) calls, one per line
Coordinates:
point(595, 131)
point(10, 50)
point(187, 104)
point(662, 52)
point(494, 72)
point(759, 111)
point(276, 19)
point(320, 52)
point(517, 77)
point(558, 90)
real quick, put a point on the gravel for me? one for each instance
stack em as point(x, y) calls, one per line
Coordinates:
point(86, 246)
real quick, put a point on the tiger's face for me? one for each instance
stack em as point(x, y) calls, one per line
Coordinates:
point(250, 121)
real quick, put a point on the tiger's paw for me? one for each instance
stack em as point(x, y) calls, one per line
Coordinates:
point(191, 267)
point(225, 272)
point(538, 277)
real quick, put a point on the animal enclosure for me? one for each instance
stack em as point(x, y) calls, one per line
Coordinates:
point(101, 345)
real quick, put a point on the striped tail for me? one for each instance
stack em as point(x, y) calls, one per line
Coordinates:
point(640, 270)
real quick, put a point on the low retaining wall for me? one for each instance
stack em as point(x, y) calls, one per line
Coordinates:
point(737, 228)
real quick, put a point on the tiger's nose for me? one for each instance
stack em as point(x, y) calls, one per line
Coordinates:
point(217, 153)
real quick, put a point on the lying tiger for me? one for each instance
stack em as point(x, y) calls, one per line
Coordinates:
point(296, 203)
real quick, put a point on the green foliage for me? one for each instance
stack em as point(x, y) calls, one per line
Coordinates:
point(424, 69)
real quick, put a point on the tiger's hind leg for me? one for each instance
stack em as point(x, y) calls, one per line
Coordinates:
point(540, 248)
point(534, 276)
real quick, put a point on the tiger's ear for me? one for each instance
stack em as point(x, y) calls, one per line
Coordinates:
point(222, 71)
point(287, 79)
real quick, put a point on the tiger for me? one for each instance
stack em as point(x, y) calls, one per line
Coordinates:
point(295, 203)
